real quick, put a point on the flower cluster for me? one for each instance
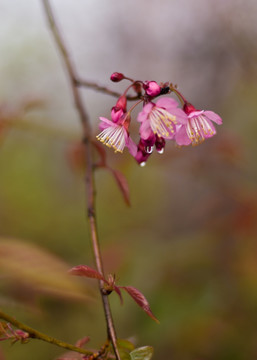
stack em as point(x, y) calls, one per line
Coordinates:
point(159, 120)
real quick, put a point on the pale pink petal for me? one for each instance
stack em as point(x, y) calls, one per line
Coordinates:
point(167, 103)
point(206, 127)
point(213, 116)
point(171, 106)
point(142, 116)
point(181, 116)
point(105, 123)
point(116, 115)
point(132, 147)
point(162, 122)
point(195, 113)
point(114, 136)
point(145, 130)
point(181, 136)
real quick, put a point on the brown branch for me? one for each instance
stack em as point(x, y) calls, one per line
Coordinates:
point(90, 188)
point(103, 89)
point(40, 336)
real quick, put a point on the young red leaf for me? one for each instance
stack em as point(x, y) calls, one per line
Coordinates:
point(140, 300)
point(117, 290)
point(84, 270)
point(83, 341)
point(123, 184)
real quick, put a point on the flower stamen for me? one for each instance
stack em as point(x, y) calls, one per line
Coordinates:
point(162, 122)
point(113, 136)
point(198, 129)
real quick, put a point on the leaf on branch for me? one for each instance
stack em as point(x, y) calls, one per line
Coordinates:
point(140, 300)
point(124, 348)
point(142, 353)
point(83, 341)
point(117, 290)
point(8, 333)
point(122, 184)
point(84, 270)
point(125, 345)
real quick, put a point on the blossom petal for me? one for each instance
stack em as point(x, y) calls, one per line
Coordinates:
point(146, 130)
point(199, 128)
point(207, 128)
point(142, 116)
point(194, 114)
point(162, 122)
point(181, 116)
point(116, 114)
point(167, 103)
point(171, 106)
point(181, 136)
point(213, 116)
point(105, 123)
point(132, 147)
point(114, 136)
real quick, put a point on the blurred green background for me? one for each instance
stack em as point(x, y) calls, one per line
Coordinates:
point(188, 241)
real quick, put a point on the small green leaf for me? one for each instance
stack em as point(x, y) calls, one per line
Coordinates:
point(142, 353)
point(125, 347)
point(125, 344)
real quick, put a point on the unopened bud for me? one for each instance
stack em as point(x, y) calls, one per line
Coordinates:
point(152, 88)
point(188, 108)
point(116, 77)
point(122, 103)
point(160, 144)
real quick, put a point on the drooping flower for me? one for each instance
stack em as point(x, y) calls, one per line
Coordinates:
point(198, 127)
point(145, 148)
point(160, 144)
point(119, 109)
point(161, 119)
point(115, 134)
point(142, 155)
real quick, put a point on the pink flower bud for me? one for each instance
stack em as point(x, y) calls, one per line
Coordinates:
point(160, 144)
point(122, 103)
point(188, 108)
point(152, 88)
point(116, 77)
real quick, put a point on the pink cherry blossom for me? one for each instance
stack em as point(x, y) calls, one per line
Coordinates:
point(199, 126)
point(115, 134)
point(161, 118)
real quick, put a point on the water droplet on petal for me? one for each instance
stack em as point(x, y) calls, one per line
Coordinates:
point(149, 149)
point(161, 151)
point(142, 164)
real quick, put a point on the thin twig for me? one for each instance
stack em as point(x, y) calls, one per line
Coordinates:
point(90, 188)
point(40, 336)
point(103, 89)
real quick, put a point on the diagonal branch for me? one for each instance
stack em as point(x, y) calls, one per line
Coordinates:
point(103, 89)
point(41, 336)
point(90, 188)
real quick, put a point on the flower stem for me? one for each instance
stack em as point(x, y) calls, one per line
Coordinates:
point(40, 336)
point(90, 188)
point(179, 95)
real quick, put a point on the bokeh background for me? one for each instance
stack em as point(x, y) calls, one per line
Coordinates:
point(188, 241)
